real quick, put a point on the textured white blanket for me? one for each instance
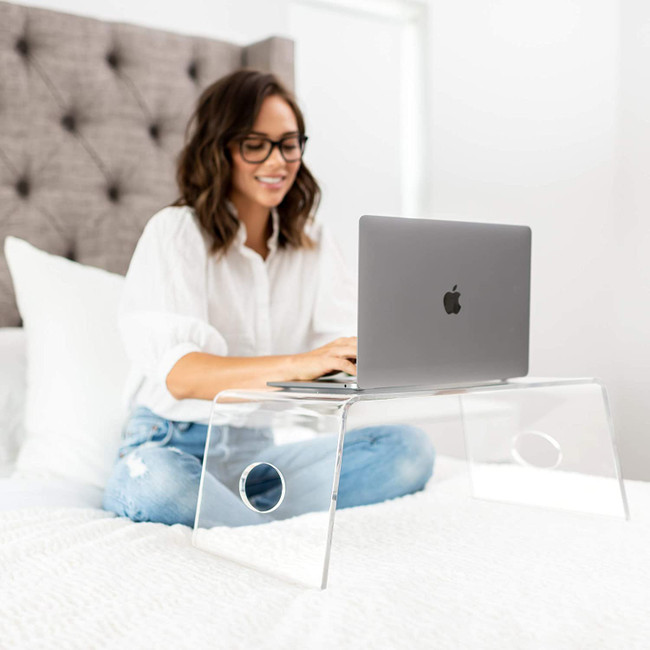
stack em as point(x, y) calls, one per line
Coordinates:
point(432, 570)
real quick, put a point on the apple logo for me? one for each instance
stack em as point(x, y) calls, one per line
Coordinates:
point(451, 301)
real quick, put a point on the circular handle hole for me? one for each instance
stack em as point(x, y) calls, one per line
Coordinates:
point(262, 487)
point(536, 449)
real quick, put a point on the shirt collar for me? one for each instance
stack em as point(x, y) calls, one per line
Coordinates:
point(241, 236)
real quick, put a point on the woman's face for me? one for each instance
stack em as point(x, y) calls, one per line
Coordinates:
point(265, 184)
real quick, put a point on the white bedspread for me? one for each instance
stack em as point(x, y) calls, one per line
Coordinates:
point(432, 570)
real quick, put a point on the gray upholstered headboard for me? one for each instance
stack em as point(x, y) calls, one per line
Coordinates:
point(92, 117)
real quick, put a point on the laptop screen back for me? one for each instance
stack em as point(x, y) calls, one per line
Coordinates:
point(441, 301)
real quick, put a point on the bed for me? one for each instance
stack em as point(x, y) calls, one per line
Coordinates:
point(91, 116)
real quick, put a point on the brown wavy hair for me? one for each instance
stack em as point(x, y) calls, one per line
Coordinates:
point(227, 110)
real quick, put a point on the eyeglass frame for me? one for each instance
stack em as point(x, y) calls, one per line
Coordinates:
point(302, 139)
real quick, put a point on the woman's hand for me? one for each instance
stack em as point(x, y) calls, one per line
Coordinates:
point(339, 355)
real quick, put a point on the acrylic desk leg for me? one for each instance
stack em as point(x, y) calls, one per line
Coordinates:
point(343, 417)
point(552, 446)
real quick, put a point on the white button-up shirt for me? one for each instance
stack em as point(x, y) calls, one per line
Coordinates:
point(179, 298)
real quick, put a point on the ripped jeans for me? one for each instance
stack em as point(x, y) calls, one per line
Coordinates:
point(157, 474)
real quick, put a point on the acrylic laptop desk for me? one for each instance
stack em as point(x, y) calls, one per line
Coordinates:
point(537, 442)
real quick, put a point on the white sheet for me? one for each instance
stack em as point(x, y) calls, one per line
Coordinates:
point(12, 395)
point(431, 570)
point(18, 493)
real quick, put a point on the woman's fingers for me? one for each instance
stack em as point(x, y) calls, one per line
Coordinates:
point(340, 354)
point(344, 347)
point(346, 366)
point(347, 351)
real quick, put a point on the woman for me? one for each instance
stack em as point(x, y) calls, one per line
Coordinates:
point(233, 286)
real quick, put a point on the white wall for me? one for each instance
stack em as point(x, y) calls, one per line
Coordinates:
point(538, 115)
point(351, 95)
point(631, 297)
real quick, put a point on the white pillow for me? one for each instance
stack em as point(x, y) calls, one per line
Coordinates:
point(12, 395)
point(76, 366)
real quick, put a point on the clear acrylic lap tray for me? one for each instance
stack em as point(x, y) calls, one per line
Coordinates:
point(273, 458)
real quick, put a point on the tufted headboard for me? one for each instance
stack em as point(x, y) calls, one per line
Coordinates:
point(92, 117)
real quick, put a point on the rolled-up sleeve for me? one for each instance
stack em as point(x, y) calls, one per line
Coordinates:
point(335, 307)
point(163, 314)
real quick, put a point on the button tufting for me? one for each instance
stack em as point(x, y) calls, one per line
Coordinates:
point(113, 194)
point(68, 122)
point(193, 71)
point(154, 131)
point(22, 187)
point(22, 46)
point(113, 60)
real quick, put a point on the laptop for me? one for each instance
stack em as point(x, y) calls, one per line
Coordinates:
point(440, 304)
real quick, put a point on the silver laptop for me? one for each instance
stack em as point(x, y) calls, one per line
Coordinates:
point(441, 304)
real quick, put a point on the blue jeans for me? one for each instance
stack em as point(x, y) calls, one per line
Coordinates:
point(158, 471)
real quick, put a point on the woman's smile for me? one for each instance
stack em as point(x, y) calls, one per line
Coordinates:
point(271, 182)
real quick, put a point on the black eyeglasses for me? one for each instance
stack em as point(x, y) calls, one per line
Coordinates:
point(257, 148)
